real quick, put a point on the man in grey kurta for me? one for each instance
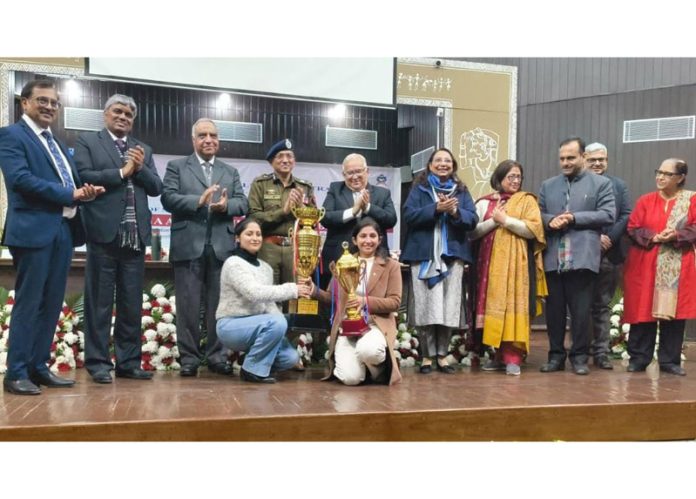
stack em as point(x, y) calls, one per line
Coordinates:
point(575, 206)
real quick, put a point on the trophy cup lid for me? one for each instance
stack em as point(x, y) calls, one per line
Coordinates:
point(347, 261)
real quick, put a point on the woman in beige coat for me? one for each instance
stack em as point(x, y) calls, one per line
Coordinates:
point(351, 359)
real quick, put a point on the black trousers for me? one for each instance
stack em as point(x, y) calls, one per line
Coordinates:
point(641, 342)
point(198, 281)
point(569, 292)
point(109, 269)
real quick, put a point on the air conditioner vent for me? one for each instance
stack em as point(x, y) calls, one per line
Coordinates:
point(351, 138)
point(78, 118)
point(237, 131)
point(651, 130)
point(419, 161)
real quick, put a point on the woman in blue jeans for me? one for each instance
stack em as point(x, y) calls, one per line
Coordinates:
point(248, 318)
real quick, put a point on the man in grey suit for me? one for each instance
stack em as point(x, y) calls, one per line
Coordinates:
point(575, 206)
point(347, 202)
point(118, 228)
point(203, 194)
point(613, 255)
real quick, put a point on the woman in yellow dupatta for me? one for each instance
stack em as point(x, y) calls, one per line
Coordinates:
point(509, 269)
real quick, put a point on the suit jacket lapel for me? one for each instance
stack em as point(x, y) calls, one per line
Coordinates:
point(218, 171)
point(196, 169)
point(347, 196)
point(110, 148)
point(39, 144)
point(377, 270)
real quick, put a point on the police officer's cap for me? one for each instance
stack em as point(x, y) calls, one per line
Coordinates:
point(282, 145)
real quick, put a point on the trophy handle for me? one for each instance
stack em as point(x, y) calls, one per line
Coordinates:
point(334, 272)
point(322, 212)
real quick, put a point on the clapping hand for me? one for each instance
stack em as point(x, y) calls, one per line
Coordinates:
point(294, 200)
point(88, 192)
point(446, 204)
point(220, 205)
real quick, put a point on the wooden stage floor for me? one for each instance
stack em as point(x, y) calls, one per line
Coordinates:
point(469, 406)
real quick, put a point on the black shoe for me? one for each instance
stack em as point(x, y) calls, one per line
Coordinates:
point(224, 368)
point(603, 362)
point(247, 376)
point(672, 369)
point(102, 377)
point(581, 369)
point(635, 368)
point(50, 380)
point(188, 370)
point(136, 373)
point(425, 368)
point(552, 366)
point(20, 387)
point(447, 369)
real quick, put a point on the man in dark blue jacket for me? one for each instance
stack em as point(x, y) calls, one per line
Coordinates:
point(41, 228)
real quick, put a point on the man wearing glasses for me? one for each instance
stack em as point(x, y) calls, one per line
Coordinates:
point(575, 207)
point(42, 226)
point(613, 255)
point(347, 202)
point(272, 196)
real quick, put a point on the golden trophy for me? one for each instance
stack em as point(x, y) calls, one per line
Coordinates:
point(306, 242)
point(347, 271)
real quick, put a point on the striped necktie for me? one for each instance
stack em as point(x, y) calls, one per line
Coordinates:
point(62, 169)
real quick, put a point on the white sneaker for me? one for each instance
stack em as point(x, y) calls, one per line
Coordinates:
point(513, 370)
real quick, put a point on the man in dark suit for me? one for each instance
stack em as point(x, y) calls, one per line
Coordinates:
point(118, 229)
point(41, 227)
point(203, 194)
point(347, 202)
point(613, 255)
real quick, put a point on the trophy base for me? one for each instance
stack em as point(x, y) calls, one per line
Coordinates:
point(304, 306)
point(354, 327)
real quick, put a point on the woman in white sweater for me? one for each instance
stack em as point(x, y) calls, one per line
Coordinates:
point(248, 318)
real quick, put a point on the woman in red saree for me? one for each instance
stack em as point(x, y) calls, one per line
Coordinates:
point(659, 273)
point(510, 279)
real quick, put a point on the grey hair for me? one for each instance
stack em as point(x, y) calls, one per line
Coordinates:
point(594, 147)
point(354, 156)
point(122, 99)
point(201, 120)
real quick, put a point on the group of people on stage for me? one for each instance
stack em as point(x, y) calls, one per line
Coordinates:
point(486, 265)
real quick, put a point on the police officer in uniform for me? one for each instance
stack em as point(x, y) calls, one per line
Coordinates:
point(272, 197)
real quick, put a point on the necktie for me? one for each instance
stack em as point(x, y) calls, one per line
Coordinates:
point(208, 170)
point(62, 169)
point(122, 147)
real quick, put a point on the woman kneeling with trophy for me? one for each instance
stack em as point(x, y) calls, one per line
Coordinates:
point(248, 318)
point(365, 292)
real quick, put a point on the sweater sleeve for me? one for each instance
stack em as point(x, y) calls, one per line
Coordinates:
point(246, 283)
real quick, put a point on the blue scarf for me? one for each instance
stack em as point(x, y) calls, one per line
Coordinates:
point(435, 270)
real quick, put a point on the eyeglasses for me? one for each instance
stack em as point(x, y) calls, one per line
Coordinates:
point(354, 173)
point(660, 173)
point(596, 160)
point(513, 177)
point(46, 102)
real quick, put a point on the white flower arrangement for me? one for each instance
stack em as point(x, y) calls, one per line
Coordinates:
point(158, 326)
point(304, 348)
point(406, 343)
